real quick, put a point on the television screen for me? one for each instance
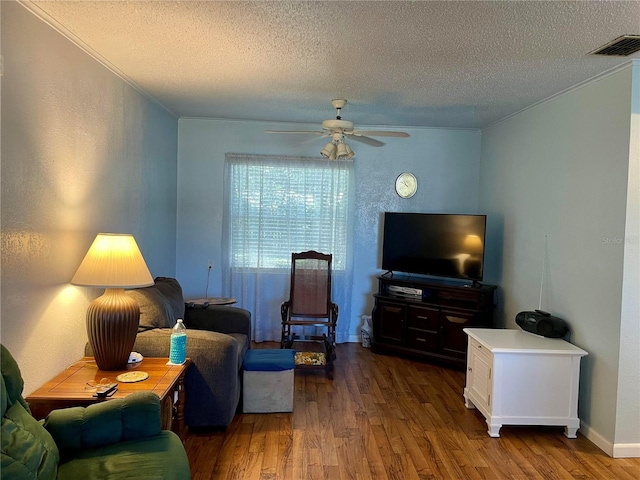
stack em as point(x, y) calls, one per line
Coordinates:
point(446, 245)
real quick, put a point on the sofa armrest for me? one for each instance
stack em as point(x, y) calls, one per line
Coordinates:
point(134, 417)
point(212, 381)
point(218, 318)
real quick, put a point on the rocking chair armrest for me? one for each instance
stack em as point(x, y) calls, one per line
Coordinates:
point(284, 310)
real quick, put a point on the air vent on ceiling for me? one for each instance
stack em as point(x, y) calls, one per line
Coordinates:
point(621, 46)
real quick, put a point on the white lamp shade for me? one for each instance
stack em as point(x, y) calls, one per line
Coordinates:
point(113, 261)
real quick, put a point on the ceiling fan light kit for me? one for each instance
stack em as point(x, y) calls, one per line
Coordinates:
point(338, 129)
point(337, 149)
point(329, 151)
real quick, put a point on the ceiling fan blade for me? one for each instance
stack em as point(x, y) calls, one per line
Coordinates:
point(369, 141)
point(314, 139)
point(310, 132)
point(379, 133)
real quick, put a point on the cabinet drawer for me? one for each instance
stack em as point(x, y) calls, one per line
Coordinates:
point(423, 318)
point(478, 350)
point(421, 340)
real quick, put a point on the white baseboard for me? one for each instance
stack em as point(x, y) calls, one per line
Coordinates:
point(598, 440)
point(619, 450)
point(626, 450)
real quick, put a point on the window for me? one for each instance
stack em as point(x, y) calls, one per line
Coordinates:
point(280, 205)
point(276, 206)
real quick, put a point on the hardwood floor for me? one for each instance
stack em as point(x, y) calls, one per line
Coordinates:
point(384, 417)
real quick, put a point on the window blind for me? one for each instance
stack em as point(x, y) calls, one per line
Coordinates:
point(280, 205)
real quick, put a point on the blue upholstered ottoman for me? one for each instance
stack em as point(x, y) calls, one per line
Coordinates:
point(268, 381)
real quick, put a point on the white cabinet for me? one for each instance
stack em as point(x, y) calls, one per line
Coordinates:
point(517, 378)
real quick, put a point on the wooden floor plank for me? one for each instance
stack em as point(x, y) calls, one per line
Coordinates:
point(388, 418)
point(270, 457)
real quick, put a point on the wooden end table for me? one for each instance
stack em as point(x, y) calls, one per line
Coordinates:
point(73, 388)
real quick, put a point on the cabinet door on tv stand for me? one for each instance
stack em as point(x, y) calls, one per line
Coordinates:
point(391, 318)
point(453, 341)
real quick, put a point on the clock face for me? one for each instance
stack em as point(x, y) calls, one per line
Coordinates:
point(406, 185)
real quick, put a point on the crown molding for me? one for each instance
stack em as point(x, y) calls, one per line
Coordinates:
point(628, 64)
point(35, 9)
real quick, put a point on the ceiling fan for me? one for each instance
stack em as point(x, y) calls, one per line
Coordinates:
point(338, 129)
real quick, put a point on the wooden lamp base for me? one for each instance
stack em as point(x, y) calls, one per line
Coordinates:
point(112, 326)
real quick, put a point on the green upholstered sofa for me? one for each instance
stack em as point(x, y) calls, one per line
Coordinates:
point(120, 438)
point(217, 339)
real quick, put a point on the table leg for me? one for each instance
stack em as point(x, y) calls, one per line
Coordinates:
point(178, 424)
point(494, 428)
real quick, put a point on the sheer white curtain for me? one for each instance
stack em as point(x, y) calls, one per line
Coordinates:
point(277, 205)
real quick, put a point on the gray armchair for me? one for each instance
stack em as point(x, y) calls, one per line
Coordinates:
point(217, 340)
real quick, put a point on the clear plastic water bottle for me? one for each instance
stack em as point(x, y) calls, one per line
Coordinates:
point(178, 350)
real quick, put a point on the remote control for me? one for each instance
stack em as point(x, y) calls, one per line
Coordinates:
point(106, 390)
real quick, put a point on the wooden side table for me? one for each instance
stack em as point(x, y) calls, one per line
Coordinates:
point(73, 387)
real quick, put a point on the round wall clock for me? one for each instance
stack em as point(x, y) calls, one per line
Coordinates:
point(406, 185)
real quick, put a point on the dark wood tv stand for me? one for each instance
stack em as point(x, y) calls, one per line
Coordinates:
point(429, 326)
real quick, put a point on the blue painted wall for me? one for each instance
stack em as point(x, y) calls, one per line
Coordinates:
point(83, 152)
point(445, 162)
point(563, 169)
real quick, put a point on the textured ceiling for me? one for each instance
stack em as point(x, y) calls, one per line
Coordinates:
point(438, 64)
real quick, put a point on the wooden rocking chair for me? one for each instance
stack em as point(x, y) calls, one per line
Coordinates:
point(310, 305)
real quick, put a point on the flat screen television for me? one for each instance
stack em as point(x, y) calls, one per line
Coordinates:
point(443, 245)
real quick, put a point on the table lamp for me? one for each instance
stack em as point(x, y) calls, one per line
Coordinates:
point(113, 262)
